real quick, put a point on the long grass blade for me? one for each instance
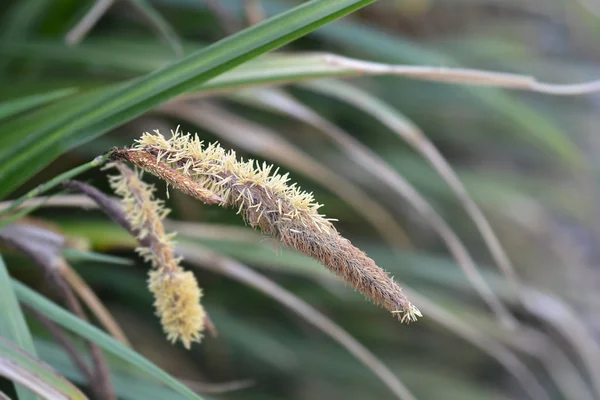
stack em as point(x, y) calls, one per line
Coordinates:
point(12, 323)
point(412, 135)
point(129, 100)
point(12, 107)
point(526, 378)
point(89, 298)
point(559, 315)
point(29, 372)
point(469, 332)
point(85, 330)
point(565, 374)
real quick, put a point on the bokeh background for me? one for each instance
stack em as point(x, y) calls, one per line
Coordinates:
point(528, 160)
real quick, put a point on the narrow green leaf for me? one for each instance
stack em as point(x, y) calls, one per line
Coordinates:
point(290, 68)
point(95, 335)
point(369, 41)
point(128, 386)
point(11, 107)
point(26, 370)
point(30, 153)
point(12, 322)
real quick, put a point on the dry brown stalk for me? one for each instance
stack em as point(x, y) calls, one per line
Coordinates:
point(89, 298)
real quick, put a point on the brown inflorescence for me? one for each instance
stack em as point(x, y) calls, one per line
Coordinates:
point(266, 200)
point(173, 177)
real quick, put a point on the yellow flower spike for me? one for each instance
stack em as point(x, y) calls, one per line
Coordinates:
point(268, 202)
point(177, 302)
point(176, 292)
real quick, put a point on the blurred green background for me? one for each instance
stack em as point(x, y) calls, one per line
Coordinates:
point(528, 160)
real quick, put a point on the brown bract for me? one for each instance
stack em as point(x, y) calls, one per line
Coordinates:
point(173, 177)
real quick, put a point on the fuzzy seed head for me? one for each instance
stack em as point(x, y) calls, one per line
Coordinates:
point(266, 200)
point(177, 302)
point(259, 194)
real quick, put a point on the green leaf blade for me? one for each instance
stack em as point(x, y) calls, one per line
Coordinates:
point(95, 335)
point(144, 93)
point(26, 370)
point(12, 323)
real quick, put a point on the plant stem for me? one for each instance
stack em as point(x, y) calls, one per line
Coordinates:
point(96, 162)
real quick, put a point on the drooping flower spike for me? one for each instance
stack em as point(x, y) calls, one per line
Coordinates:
point(266, 200)
point(176, 292)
